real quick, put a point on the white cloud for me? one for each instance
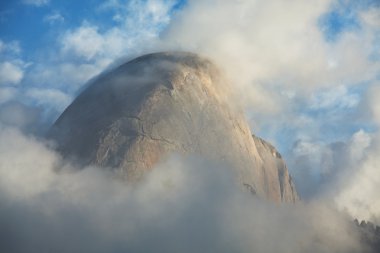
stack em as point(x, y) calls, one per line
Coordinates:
point(359, 195)
point(265, 39)
point(66, 75)
point(7, 93)
point(49, 98)
point(30, 150)
point(85, 41)
point(270, 49)
point(359, 144)
point(84, 52)
point(150, 14)
point(275, 55)
point(96, 48)
point(270, 46)
point(36, 2)
point(147, 17)
point(273, 52)
point(371, 17)
point(12, 47)
point(20, 116)
point(183, 205)
point(347, 172)
point(54, 17)
point(78, 74)
point(335, 98)
point(11, 66)
point(374, 102)
point(306, 148)
point(139, 28)
point(10, 73)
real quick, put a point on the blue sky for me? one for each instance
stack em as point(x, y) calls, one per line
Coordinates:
point(36, 23)
point(343, 16)
point(316, 95)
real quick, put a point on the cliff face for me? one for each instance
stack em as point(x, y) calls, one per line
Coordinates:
point(276, 171)
point(135, 115)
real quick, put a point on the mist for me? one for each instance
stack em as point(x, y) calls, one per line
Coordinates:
point(186, 204)
point(313, 96)
point(310, 94)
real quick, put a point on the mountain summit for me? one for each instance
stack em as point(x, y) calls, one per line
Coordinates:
point(135, 115)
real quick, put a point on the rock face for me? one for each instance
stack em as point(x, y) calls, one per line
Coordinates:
point(276, 171)
point(132, 117)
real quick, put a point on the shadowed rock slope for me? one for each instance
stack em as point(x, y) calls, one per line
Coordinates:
point(134, 116)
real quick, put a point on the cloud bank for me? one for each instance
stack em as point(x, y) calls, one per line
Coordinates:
point(309, 87)
point(307, 74)
point(184, 205)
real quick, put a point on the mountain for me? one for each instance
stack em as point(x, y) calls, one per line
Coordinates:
point(135, 115)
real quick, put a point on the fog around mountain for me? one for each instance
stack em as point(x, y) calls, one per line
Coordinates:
point(186, 202)
point(173, 102)
point(306, 74)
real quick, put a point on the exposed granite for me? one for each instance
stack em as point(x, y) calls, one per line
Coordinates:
point(130, 118)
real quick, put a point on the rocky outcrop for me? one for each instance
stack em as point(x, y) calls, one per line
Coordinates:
point(134, 116)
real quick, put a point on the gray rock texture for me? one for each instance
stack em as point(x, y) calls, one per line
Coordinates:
point(137, 114)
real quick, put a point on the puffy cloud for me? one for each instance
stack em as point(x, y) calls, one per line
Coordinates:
point(11, 66)
point(335, 98)
point(300, 89)
point(374, 103)
point(140, 23)
point(82, 52)
point(66, 76)
point(12, 47)
point(284, 70)
point(49, 98)
point(359, 196)
point(17, 115)
point(87, 50)
point(293, 83)
point(346, 172)
point(184, 204)
point(84, 41)
point(7, 93)
point(147, 17)
point(10, 73)
point(371, 17)
point(264, 38)
point(322, 169)
point(359, 144)
point(272, 46)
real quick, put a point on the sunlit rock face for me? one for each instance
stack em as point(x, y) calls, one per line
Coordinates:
point(139, 113)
